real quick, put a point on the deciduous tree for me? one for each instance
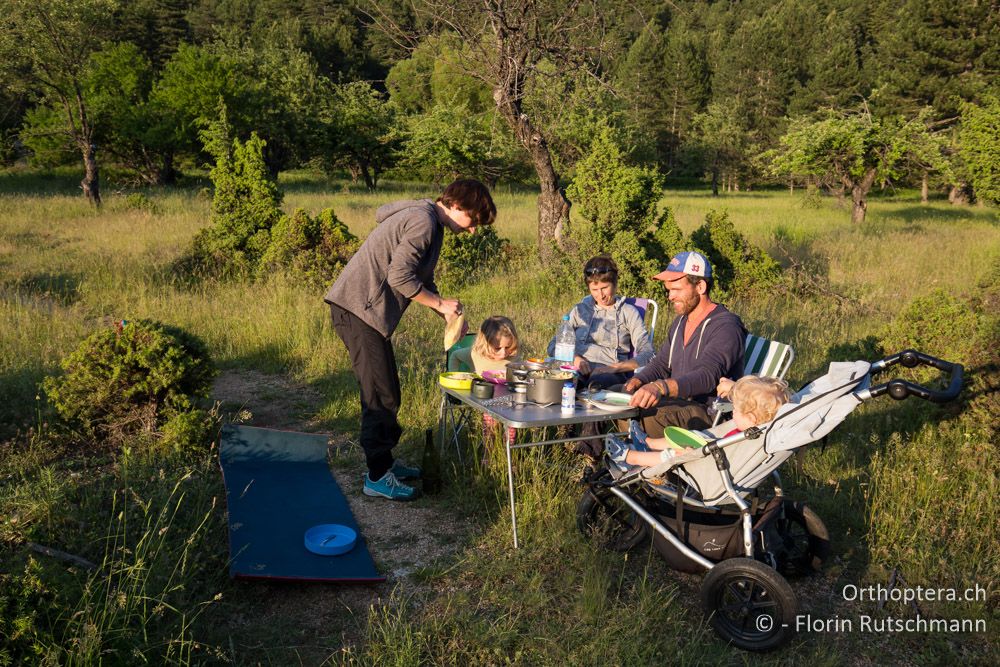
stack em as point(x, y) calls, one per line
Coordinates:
point(44, 48)
point(507, 41)
point(854, 150)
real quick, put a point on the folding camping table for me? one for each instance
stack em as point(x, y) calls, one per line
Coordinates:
point(518, 416)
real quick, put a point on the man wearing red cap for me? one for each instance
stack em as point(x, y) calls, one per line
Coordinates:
point(704, 344)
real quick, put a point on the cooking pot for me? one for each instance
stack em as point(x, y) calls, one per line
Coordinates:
point(518, 392)
point(547, 390)
point(482, 388)
point(517, 371)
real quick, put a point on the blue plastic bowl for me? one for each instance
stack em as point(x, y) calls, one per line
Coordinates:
point(330, 539)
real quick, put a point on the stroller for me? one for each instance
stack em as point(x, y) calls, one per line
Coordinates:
point(705, 510)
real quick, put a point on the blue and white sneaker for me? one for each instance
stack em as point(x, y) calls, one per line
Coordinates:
point(638, 436)
point(403, 471)
point(389, 487)
point(617, 451)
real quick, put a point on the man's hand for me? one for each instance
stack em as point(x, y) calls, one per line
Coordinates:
point(632, 384)
point(646, 396)
point(582, 365)
point(449, 308)
point(725, 386)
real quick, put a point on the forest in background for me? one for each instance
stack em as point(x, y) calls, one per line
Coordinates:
point(834, 94)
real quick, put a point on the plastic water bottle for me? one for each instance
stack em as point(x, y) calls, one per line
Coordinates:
point(565, 342)
point(568, 403)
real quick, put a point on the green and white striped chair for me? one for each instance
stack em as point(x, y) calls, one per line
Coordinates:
point(764, 357)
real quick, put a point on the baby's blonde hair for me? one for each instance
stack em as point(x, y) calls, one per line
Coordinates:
point(759, 397)
point(490, 332)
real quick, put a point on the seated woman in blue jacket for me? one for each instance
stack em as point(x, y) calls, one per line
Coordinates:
point(611, 340)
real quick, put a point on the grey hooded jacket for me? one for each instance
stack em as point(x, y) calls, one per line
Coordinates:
point(394, 263)
point(608, 335)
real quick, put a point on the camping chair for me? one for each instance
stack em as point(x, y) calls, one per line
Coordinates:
point(764, 357)
point(643, 305)
point(464, 342)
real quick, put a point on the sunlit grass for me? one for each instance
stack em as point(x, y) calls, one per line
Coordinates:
point(67, 269)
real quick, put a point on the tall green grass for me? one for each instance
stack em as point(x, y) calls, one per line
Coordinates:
point(66, 269)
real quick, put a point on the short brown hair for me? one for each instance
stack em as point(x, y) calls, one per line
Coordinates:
point(600, 269)
point(759, 397)
point(694, 280)
point(473, 197)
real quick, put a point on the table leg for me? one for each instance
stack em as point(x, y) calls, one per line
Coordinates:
point(510, 483)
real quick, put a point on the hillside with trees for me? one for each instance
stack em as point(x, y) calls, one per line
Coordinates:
point(511, 91)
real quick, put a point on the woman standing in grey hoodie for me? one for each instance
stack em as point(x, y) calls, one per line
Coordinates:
point(394, 266)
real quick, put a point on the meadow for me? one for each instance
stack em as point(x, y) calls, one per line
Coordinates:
point(900, 486)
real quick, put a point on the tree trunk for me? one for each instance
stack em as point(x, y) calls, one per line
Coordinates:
point(366, 174)
point(923, 188)
point(959, 194)
point(791, 186)
point(91, 183)
point(859, 195)
point(553, 207)
point(715, 181)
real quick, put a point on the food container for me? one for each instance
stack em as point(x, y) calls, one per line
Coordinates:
point(518, 392)
point(482, 388)
point(545, 387)
point(517, 371)
point(456, 380)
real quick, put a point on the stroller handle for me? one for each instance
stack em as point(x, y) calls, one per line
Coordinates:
point(900, 389)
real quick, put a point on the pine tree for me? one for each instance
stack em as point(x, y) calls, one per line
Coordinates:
point(939, 54)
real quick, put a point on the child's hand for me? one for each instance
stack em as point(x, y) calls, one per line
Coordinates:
point(725, 384)
point(582, 365)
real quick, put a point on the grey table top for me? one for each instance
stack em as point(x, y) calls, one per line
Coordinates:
point(530, 415)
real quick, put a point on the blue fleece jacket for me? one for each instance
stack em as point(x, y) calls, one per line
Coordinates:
point(714, 351)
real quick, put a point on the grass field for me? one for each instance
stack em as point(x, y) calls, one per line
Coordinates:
point(896, 488)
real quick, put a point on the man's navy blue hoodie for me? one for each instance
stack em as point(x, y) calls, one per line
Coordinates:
point(714, 351)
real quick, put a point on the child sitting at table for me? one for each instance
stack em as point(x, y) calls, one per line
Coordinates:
point(755, 401)
point(496, 344)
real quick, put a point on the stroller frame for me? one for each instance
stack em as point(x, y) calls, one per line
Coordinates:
point(743, 585)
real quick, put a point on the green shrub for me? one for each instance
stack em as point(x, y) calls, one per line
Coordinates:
point(137, 201)
point(189, 431)
point(312, 249)
point(26, 604)
point(618, 204)
point(813, 198)
point(467, 257)
point(964, 330)
point(738, 266)
point(245, 206)
point(130, 379)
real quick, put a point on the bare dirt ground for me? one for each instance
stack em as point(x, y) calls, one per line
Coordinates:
point(402, 537)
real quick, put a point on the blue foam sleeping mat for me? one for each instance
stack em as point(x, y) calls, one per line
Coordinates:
point(278, 485)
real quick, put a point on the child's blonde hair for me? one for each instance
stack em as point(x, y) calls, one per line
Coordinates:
point(759, 397)
point(490, 332)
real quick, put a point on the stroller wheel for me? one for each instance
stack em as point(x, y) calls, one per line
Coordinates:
point(749, 604)
point(603, 517)
point(803, 541)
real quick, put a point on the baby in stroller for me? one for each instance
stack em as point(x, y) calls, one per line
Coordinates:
point(755, 401)
point(706, 509)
